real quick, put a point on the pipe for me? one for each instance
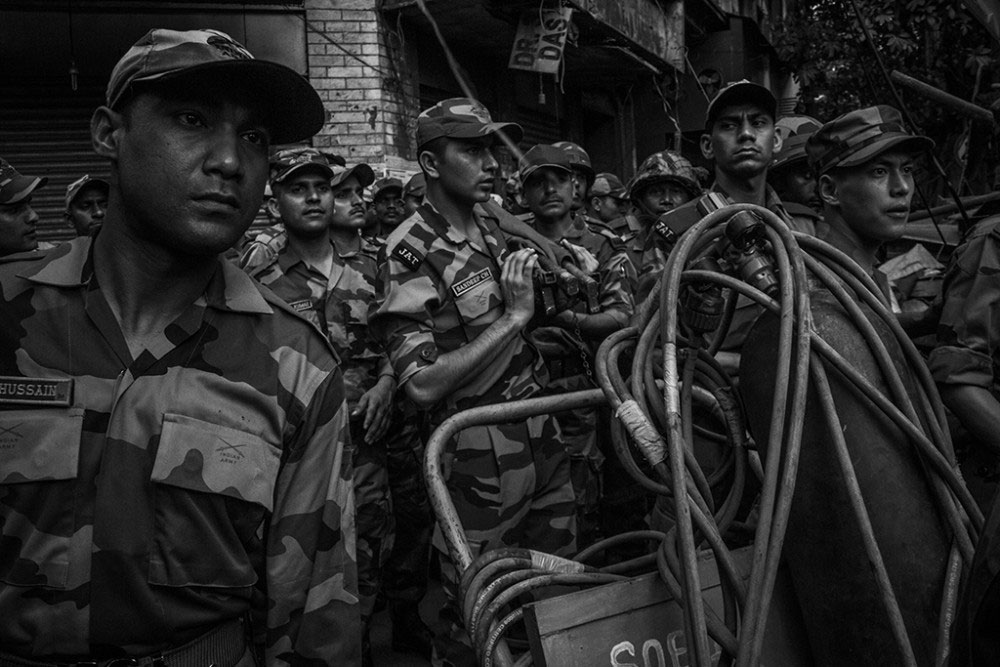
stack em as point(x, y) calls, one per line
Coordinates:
point(935, 94)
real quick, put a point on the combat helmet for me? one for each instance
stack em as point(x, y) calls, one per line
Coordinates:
point(666, 167)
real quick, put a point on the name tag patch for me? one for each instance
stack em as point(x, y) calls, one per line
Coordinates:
point(301, 306)
point(461, 288)
point(35, 391)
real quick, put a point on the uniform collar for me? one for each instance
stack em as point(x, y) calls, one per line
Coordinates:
point(70, 265)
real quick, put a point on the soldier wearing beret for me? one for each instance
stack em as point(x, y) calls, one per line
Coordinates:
point(453, 305)
point(176, 473)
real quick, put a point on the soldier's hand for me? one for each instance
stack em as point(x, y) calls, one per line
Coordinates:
point(376, 406)
point(583, 257)
point(515, 283)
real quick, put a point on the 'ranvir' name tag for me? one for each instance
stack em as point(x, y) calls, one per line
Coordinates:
point(35, 391)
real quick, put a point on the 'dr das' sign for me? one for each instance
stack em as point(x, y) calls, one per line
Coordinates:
point(540, 40)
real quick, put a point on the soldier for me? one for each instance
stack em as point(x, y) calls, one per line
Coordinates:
point(86, 202)
point(326, 272)
point(182, 466)
point(865, 161)
point(18, 221)
point(607, 199)
point(664, 181)
point(583, 173)
point(413, 194)
point(453, 303)
point(387, 203)
point(964, 363)
point(792, 177)
point(571, 337)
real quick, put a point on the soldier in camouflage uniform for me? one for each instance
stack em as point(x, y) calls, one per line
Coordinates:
point(18, 221)
point(388, 205)
point(865, 160)
point(86, 202)
point(569, 339)
point(326, 272)
point(583, 174)
point(176, 462)
point(413, 193)
point(452, 306)
point(791, 176)
point(607, 199)
point(664, 181)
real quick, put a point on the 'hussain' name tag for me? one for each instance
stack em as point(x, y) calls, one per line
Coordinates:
point(35, 391)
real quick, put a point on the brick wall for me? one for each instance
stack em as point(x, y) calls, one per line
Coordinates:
point(367, 85)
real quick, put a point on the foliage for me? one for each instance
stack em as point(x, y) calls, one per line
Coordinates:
point(935, 41)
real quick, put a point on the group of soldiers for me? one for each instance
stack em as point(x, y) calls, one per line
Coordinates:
point(211, 443)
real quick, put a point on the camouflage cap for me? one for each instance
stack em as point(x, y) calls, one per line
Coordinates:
point(607, 185)
point(664, 167)
point(461, 118)
point(416, 186)
point(293, 109)
point(794, 132)
point(578, 158)
point(543, 155)
point(287, 162)
point(361, 171)
point(741, 92)
point(385, 185)
point(14, 186)
point(74, 188)
point(858, 136)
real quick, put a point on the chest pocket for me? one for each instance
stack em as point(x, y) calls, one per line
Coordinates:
point(39, 465)
point(478, 299)
point(214, 486)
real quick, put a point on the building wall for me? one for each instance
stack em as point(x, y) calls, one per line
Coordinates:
point(356, 64)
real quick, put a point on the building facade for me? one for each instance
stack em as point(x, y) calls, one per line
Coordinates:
point(624, 78)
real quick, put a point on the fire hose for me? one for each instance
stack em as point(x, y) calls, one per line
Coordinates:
point(673, 372)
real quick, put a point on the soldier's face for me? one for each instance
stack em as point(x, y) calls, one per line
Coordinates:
point(548, 193)
point(579, 189)
point(348, 205)
point(466, 169)
point(389, 209)
point(873, 198)
point(658, 198)
point(410, 204)
point(86, 211)
point(796, 182)
point(191, 166)
point(742, 141)
point(305, 202)
point(608, 208)
point(17, 227)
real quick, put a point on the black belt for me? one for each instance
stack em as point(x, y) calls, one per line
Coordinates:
point(222, 646)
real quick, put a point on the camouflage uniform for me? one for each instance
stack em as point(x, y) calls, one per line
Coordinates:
point(570, 359)
point(338, 305)
point(436, 292)
point(968, 347)
point(176, 491)
point(258, 250)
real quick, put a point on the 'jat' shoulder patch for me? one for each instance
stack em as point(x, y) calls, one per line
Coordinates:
point(462, 287)
point(408, 256)
point(35, 391)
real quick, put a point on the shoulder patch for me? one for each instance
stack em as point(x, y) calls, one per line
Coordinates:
point(408, 256)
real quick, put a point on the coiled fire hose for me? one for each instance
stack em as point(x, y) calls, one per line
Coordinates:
point(673, 370)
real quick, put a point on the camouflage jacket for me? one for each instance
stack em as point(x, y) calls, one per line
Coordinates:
point(615, 276)
point(437, 291)
point(338, 304)
point(262, 247)
point(968, 338)
point(144, 500)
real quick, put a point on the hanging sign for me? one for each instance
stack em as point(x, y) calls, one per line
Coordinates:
point(540, 40)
